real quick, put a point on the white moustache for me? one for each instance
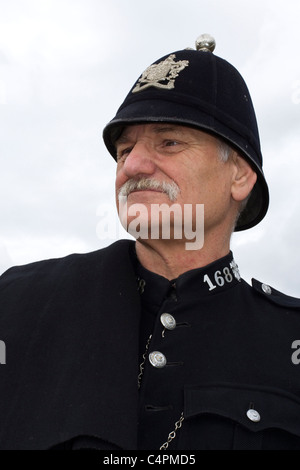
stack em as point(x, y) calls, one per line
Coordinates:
point(171, 189)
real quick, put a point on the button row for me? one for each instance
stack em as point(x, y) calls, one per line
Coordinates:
point(158, 359)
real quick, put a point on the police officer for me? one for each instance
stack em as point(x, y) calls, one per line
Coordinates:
point(157, 344)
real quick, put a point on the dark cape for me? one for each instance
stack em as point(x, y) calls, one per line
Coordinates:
point(70, 327)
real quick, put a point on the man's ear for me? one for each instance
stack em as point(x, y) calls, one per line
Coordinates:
point(244, 178)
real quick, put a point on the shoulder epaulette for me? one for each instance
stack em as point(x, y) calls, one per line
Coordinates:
point(275, 296)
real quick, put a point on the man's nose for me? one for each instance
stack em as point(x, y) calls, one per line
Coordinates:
point(139, 161)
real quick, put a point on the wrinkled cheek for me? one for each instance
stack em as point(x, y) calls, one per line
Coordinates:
point(120, 180)
point(122, 209)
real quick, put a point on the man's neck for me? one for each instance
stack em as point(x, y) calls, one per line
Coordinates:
point(171, 258)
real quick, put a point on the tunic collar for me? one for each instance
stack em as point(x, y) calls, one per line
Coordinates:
point(208, 280)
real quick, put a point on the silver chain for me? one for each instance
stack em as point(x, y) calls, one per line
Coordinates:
point(142, 364)
point(178, 423)
point(172, 434)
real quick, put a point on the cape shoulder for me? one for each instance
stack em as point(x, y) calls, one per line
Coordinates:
point(275, 296)
point(64, 321)
point(76, 262)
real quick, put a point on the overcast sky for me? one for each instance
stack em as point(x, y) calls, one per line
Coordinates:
point(66, 66)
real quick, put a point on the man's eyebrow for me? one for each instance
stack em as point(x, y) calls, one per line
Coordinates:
point(159, 129)
point(123, 139)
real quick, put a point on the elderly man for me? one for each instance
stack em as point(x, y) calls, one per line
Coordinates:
point(152, 344)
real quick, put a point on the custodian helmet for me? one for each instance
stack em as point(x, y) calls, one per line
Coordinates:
point(198, 89)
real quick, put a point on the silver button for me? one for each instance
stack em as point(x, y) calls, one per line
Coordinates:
point(168, 321)
point(157, 359)
point(267, 289)
point(253, 415)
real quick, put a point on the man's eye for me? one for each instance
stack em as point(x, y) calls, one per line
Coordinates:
point(171, 143)
point(172, 146)
point(122, 153)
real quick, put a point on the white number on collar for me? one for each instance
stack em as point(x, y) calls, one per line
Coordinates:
point(219, 277)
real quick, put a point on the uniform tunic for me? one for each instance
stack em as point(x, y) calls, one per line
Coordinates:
point(227, 365)
point(76, 330)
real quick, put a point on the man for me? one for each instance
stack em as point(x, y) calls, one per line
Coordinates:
point(151, 344)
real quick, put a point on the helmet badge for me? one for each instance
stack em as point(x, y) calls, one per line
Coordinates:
point(161, 75)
